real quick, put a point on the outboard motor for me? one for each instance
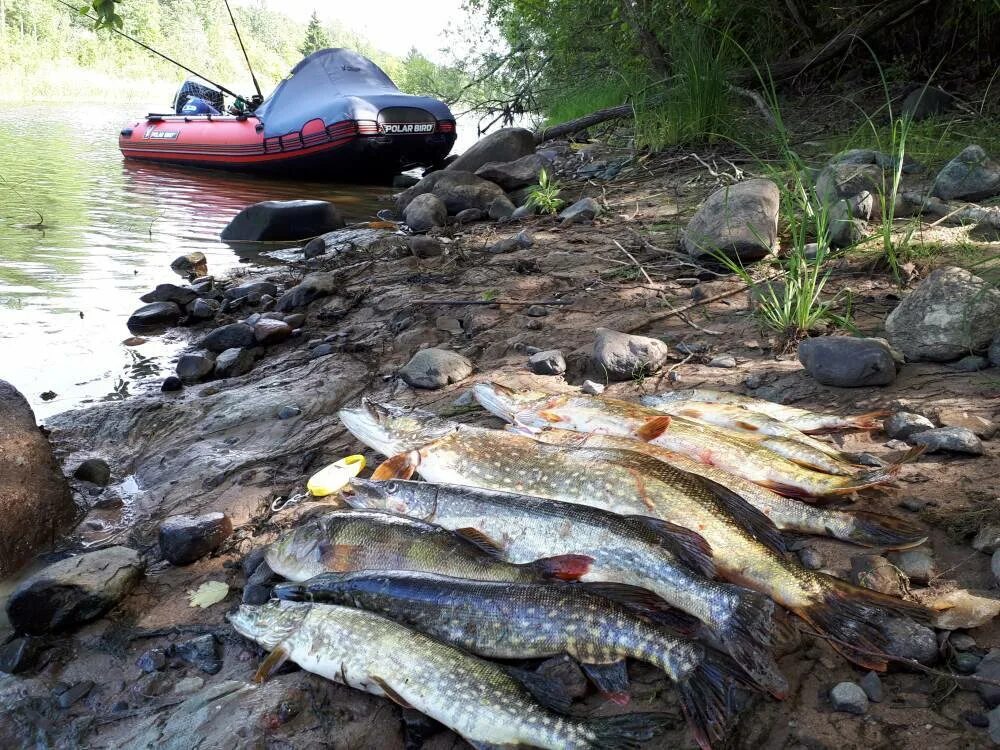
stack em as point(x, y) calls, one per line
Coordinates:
point(195, 88)
point(198, 106)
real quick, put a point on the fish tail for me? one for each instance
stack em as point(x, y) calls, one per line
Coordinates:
point(707, 697)
point(871, 420)
point(746, 635)
point(563, 567)
point(882, 475)
point(626, 731)
point(879, 530)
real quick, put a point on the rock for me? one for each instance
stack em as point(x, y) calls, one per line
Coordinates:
point(282, 220)
point(966, 663)
point(456, 189)
point(511, 175)
point(995, 565)
point(989, 669)
point(537, 311)
point(35, 501)
point(971, 363)
point(190, 266)
point(565, 672)
point(872, 686)
point(591, 388)
point(585, 209)
point(902, 424)
point(229, 336)
point(425, 247)
point(849, 698)
point(950, 314)
point(858, 184)
point(203, 309)
point(469, 215)
point(522, 212)
point(956, 417)
point(926, 101)
point(73, 591)
point(847, 362)
point(987, 539)
point(953, 439)
point(504, 145)
point(152, 660)
point(520, 241)
point(234, 362)
point(70, 694)
point(253, 291)
point(727, 361)
point(18, 655)
point(185, 539)
point(843, 229)
point(910, 640)
point(321, 351)
point(962, 641)
point(811, 558)
point(877, 573)
point(312, 287)
point(154, 315)
point(549, 362)
point(960, 609)
point(994, 351)
point(971, 175)
point(622, 356)
point(289, 412)
point(94, 470)
point(170, 293)
point(740, 220)
point(314, 248)
point(270, 332)
point(192, 368)
point(435, 368)
point(500, 209)
point(917, 563)
point(295, 320)
point(171, 383)
point(251, 320)
point(425, 212)
point(993, 726)
point(189, 685)
point(201, 652)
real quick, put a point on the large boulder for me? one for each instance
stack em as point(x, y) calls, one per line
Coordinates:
point(511, 175)
point(950, 314)
point(74, 591)
point(35, 501)
point(848, 362)
point(170, 293)
point(312, 287)
point(971, 175)
point(739, 220)
point(283, 220)
point(425, 212)
point(456, 189)
point(154, 315)
point(508, 144)
point(229, 336)
point(435, 368)
point(622, 356)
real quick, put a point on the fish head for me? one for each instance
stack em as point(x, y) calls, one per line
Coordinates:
point(414, 499)
point(508, 403)
point(391, 429)
point(299, 551)
point(269, 624)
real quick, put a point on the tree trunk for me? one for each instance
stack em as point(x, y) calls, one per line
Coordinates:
point(648, 42)
point(581, 123)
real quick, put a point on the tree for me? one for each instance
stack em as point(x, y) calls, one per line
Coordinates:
point(316, 38)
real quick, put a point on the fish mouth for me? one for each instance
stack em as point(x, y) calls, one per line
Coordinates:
point(371, 423)
point(497, 399)
point(268, 624)
point(364, 493)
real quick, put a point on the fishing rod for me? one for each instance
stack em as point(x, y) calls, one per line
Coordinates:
point(245, 56)
point(220, 87)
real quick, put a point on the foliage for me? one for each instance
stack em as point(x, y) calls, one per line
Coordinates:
point(316, 38)
point(544, 197)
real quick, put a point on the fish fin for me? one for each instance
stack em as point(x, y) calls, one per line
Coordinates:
point(645, 604)
point(879, 530)
point(563, 567)
point(550, 416)
point(271, 664)
point(626, 731)
point(877, 476)
point(746, 426)
point(546, 690)
point(708, 697)
point(338, 558)
point(747, 516)
point(480, 539)
point(653, 428)
point(746, 635)
point(611, 679)
point(400, 466)
point(390, 693)
point(869, 420)
point(688, 546)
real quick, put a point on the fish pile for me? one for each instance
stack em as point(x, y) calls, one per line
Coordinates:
point(603, 529)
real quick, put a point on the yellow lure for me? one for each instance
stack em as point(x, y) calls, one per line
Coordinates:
point(335, 476)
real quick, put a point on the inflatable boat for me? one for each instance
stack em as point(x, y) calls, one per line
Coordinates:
point(337, 115)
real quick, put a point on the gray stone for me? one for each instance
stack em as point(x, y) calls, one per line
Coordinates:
point(917, 563)
point(192, 368)
point(592, 388)
point(950, 314)
point(500, 209)
point(953, 439)
point(962, 641)
point(234, 362)
point(321, 351)
point(435, 368)
point(425, 247)
point(877, 573)
point(251, 320)
point(549, 362)
point(425, 212)
point(966, 662)
point(847, 362)
point(189, 685)
point(512, 175)
point(504, 145)
point(72, 693)
point(971, 175)
point(283, 220)
point(622, 356)
point(289, 412)
point(910, 640)
point(295, 320)
point(314, 248)
point(995, 565)
point(185, 539)
point(94, 470)
point(987, 539)
point(171, 383)
point(522, 212)
point(152, 660)
point(994, 351)
point(203, 309)
point(926, 101)
point(520, 241)
point(190, 266)
point(469, 215)
point(230, 336)
point(18, 655)
point(269, 332)
point(727, 361)
point(849, 698)
point(312, 287)
point(902, 424)
point(73, 591)
point(154, 315)
point(253, 290)
point(585, 209)
point(993, 726)
point(858, 184)
point(201, 652)
point(971, 363)
point(989, 669)
point(811, 558)
point(740, 221)
point(872, 686)
point(458, 191)
point(170, 293)
point(843, 229)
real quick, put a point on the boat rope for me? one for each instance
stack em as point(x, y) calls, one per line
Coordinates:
point(245, 56)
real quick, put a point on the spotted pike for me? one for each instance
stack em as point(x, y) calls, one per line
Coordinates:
point(473, 697)
point(671, 561)
point(529, 620)
point(859, 527)
point(349, 540)
point(800, 419)
point(634, 484)
point(703, 443)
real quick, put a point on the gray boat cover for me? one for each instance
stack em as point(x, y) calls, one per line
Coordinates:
point(336, 85)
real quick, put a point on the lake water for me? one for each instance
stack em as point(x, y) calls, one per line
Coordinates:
point(83, 234)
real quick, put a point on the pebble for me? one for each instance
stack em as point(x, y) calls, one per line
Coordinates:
point(848, 362)
point(585, 209)
point(194, 367)
point(314, 248)
point(537, 311)
point(295, 320)
point(185, 539)
point(425, 247)
point(902, 424)
point(551, 362)
point(811, 558)
point(73, 693)
point(270, 332)
point(966, 662)
point(849, 698)
point(321, 351)
point(94, 470)
point(753, 381)
point(723, 360)
point(592, 388)
point(918, 563)
point(872, 686)
point(288, 412)
point(18, 655)
point(152, 660)
point(910, 640)
point(989, 669)
point(951, 439)
point(201, 652)
point(435, 368)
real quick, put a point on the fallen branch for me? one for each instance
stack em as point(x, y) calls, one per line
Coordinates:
point(462, 302)
point(582, 123)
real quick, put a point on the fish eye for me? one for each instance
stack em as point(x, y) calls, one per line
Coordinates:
point(392, 487)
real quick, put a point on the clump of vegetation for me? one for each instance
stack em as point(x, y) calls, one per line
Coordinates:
point(544, 197)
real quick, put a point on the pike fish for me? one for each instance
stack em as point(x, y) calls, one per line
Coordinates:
point(348, 540)
point(475, 698)
point(631, 483)
point(528, 620)
point(800, 419)
point(703, 443)
point(672, 562)
point(858, 527)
